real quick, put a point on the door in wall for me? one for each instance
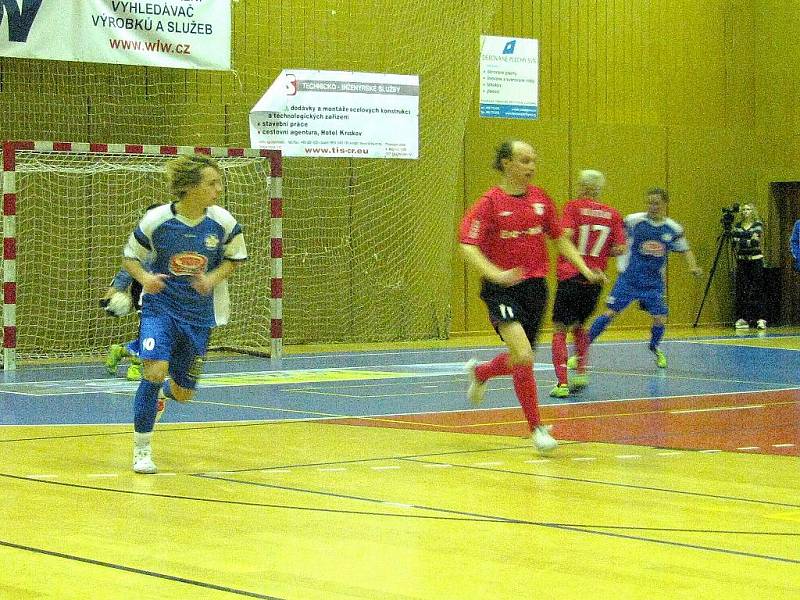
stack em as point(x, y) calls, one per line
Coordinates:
point(786, 195)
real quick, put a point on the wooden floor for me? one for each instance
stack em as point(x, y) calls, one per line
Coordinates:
point(325, 509)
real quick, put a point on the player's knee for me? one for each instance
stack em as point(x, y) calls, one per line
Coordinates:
point(155, 371)
point(521, 357)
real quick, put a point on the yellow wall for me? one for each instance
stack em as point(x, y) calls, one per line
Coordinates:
point(651, 93)
point(776, 90)
point(699, 97)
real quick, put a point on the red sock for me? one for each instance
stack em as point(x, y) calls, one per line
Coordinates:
point(525, 387)
point(494, 368)
point(559, 346)
point(581, 347)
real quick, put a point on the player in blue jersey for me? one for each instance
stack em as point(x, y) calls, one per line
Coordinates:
point(193, 246)
point(650, 236)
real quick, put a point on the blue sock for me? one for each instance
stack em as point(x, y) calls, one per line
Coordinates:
point(598, 326)
point(144, 406)
point(167, 389)
point(656, 333)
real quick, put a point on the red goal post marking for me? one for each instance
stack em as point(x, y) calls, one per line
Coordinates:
point(12, 148)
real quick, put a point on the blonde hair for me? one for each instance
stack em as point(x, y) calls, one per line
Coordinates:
point(186, 172)
point(591, 182)
point(753, 208)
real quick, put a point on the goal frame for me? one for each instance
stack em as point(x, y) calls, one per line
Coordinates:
point(12, 148)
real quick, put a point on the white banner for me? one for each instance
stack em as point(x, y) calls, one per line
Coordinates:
point(187, 34)
point(509, 77)
point(339, 113)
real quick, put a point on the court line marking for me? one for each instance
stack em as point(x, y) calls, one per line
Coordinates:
point(498, 519)
point(716, 409)
point(472, 519)
point(617, 484)
point(242, 502)
point(127, 569)
point(706, 339)
point(397, 371)
point(444, 428)
point(349, 353)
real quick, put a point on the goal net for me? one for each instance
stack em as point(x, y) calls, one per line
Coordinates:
point(368, 244)
point(74, 209)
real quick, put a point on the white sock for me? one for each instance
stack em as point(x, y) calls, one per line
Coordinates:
point(142, 440)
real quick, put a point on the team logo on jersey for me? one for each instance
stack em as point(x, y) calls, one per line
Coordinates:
point(211, 241)
point(505, 234)
point(667, 237)
point(505, 213)
point(538, 208)
point(188, 263)
point(652, 248)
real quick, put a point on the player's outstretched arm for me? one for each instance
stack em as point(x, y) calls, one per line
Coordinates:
point(487, 269)
point(691, 262)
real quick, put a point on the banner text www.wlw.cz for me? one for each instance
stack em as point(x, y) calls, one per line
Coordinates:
point(157, 47)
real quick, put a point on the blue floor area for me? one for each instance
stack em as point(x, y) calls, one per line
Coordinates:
point(386, 383)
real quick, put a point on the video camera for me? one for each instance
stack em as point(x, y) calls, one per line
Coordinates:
point(728, 216)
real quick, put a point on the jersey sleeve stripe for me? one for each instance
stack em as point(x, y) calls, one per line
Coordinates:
point(237, 230)
point(141, 238)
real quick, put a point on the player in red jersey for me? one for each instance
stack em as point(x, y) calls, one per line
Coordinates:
point(598, 232)
point(503, 237)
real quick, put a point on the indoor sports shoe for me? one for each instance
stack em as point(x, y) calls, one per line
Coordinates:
point(572, 362)
point(761, 324)
point(661, 359)
point(115, 354)
point(134, 372)
point(143, 460)
point(741, 324)
point(560, 391)
point(578, 381)
point(477, 389)
point(542, 440)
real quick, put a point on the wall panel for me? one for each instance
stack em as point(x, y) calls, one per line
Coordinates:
point(656, 92)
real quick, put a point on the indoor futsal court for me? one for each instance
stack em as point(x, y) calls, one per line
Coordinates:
point(366, 474)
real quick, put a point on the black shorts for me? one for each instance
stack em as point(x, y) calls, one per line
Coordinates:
point(524, 303)
point(576, 300)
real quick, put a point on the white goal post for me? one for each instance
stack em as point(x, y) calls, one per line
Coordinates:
point(67, 211)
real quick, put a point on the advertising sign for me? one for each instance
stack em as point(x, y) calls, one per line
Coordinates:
point(187, 34)
point(339, 113)
point(509, 77)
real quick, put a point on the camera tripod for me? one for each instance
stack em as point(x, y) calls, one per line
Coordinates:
point(723, 241)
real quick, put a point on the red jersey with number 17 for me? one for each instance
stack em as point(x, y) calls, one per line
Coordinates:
point(596, 228)
point(510, 230)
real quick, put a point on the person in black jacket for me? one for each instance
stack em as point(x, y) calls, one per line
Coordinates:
point(747, 236)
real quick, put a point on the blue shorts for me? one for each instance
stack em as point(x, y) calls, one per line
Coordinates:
point(650, 299)
point(182, 344)
point(133, 347)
